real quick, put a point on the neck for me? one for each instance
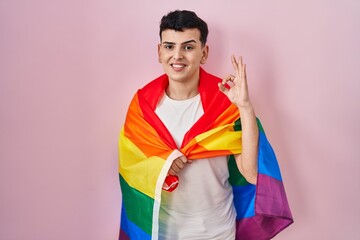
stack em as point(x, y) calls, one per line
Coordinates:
point(182, 91)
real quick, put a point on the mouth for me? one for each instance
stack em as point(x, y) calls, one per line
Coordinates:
point(178, 66)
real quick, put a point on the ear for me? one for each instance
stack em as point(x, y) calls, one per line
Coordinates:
point(205, 52)
point(159, 52)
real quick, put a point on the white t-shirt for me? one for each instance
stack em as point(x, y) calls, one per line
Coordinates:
point(201, 207)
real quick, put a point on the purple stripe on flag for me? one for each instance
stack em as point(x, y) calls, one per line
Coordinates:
point(260, 227)
point(123, 236)
point(272, 212)
point(271, 197)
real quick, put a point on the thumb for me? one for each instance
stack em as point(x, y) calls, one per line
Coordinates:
point(223, 89)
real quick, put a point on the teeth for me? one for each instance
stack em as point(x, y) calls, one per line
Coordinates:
point(177, 65)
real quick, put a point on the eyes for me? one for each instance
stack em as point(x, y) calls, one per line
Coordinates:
point(187, 47)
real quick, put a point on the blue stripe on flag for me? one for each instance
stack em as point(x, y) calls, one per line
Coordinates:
point(244, 203)
point(268, 164)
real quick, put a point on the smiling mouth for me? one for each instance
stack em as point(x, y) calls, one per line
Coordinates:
point(178, 66)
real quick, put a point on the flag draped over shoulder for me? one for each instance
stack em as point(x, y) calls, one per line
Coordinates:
point(146, 151)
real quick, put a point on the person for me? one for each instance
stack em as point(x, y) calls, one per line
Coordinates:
point(190, 167)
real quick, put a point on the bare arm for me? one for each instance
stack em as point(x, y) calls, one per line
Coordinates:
point(238, 94)
point(247, 160)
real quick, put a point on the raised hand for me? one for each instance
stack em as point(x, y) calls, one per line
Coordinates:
point(237, 90)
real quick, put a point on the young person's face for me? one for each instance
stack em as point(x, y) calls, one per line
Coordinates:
point(181, 54)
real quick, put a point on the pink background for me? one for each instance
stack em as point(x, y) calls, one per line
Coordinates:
point(69, 68)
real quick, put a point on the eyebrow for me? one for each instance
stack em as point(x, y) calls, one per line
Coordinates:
point(186, 42)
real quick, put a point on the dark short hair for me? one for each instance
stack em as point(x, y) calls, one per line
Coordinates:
point(180, 20)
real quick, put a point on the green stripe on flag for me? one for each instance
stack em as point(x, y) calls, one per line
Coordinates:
point(237, 125)
point(139, 207)
point(261, 129)
point(236, 178)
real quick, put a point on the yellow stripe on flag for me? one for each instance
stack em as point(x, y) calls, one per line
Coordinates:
point(139, 171)
point(221, 138)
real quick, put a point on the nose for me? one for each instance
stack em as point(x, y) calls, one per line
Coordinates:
point(177, 53)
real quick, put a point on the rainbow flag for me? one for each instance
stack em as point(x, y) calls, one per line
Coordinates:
point(146, 151)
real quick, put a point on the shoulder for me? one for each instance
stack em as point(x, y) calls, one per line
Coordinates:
point(152, 91)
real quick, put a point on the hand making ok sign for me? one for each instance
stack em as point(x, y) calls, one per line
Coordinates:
point(237, 92)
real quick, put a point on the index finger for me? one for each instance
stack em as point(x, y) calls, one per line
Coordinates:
point(235, 63)
point(183, 159)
